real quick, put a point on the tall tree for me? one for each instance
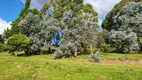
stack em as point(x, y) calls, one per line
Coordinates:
point(129, 18)
point(15, 29)
point(31, 25)
point(77, 31)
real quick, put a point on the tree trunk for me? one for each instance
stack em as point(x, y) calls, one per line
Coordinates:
point(91, 49)
point(75, 52)
point(17, 53)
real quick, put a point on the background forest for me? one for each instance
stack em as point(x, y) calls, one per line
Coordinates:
point(71, 27)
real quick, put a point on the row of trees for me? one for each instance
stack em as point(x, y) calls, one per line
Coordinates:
point(69, 26)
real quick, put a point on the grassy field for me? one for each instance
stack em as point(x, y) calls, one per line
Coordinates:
point(43, 67)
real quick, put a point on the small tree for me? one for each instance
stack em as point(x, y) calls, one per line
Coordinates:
point(18, 42)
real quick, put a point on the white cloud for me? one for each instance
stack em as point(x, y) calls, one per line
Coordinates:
point(4, 25)
point(102, 7)
point(37, 3)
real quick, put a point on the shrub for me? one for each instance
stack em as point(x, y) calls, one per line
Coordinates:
point(107, 48)
point(2, 47)
point(58, 54)
point(68, 54)
point(18, 42)
point(96, 57)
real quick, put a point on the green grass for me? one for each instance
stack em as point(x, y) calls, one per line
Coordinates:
point(43, 67)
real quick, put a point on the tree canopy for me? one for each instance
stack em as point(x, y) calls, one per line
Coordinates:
point(127, 26)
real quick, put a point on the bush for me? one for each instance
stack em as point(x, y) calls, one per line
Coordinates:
point(17, 43)
point(2, 47)
point(58, 54)
point(96, 57)
point(68, 54)
point(107, 48)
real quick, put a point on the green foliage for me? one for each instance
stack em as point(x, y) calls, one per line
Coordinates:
point(15, 28)
point(101, 38)
point(123, 41)
point(77, 31)
point(107, 48)
point(88, 8)
point(130, 16)
point(1, 39)
point(48, 6)
point(76, 6)
point(31, 25)
point(127, 26)
point(58, 54)
point(18, 42)
point(38, 31)
point(2, 47)
point(129, 19)
point(108, 22)
point(66, 16)
point(96, 56)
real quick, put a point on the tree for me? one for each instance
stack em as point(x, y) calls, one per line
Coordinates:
point(18, 42)
point(129, 16)
point(124, 41)
point(1, 39)
point(2, 47)
point(77, 31)
point(38, 31)
point(108, 22)
point(15, 28)
point(31, 26)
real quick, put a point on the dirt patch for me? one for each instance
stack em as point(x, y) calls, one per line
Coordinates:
point(136, 62)
point(111, 61)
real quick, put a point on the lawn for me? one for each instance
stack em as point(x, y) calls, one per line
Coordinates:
point(43, 67)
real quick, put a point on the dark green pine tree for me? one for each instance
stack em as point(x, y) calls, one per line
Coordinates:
point(15, 29)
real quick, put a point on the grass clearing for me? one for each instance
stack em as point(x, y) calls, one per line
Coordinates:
point(43, 67)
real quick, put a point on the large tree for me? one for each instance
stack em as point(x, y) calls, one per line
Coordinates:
point(31, 26)
point(39, 32)
point(77, 31)
point(129, 17)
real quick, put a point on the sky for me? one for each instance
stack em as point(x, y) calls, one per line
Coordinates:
point(10, 9)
